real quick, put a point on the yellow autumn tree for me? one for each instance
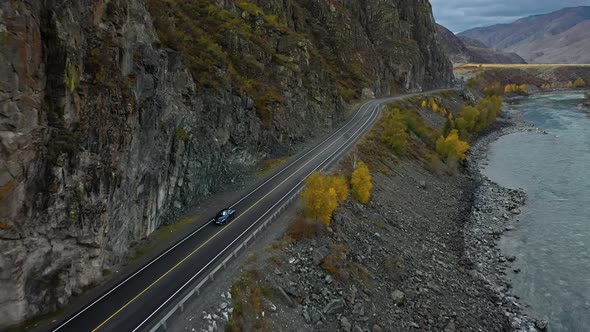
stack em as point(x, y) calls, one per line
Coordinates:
point(395, 131)
point(508, 89)
point(451, 147)
point(579, 83)
point(424, 104)
point(433, 105)
point(340, 185)
point(319, 200)
point(321, 196)
point(361, 183)
point(516, 89)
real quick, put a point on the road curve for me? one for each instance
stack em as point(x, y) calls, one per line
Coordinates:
point(131, 304)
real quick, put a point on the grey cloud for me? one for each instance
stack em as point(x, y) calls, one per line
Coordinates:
point(460, 15)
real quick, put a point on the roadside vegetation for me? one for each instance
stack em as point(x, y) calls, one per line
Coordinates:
point(516, 89)
point(451, 148)
point(324, 193)
point(321, 196)
point(579, 83)
point(405, 131)
point(432, 104)
point(473, 119)
point(361, 183)
point(249, 297)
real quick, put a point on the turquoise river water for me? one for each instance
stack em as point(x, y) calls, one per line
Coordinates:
point(552, 239)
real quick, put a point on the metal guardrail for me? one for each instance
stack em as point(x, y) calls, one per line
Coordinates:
point(196, 290)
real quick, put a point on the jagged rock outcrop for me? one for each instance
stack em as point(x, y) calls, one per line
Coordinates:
point(108, 132)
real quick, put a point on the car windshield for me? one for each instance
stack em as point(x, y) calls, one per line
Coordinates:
point(223, 213)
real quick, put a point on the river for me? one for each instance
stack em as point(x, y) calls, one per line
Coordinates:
point(552, 238)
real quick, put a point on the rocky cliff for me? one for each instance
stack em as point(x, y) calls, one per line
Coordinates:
point(116, 115)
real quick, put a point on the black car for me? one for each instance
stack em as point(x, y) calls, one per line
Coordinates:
point(224, 216)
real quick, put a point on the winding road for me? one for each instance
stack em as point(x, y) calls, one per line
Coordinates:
point(133, 303)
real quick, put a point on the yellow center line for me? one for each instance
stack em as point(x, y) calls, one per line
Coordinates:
point(208, 240)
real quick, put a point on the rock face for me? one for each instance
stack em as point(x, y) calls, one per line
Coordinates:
point(108, 129)
point(466, 50)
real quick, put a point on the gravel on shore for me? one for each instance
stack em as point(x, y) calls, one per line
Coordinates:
point(496, 210)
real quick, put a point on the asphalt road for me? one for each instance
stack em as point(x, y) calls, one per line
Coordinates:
point(133, 303)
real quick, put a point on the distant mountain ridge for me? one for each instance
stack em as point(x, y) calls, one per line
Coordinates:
point(562, 36)
point(464, 50)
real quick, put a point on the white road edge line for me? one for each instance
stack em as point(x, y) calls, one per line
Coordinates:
point(339, 149)
point(207, 223)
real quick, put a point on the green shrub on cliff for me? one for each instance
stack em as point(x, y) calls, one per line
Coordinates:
point(71, 76)
point(182, 135)
point(199, 30)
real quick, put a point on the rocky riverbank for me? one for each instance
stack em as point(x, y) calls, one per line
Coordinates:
point(496, 210)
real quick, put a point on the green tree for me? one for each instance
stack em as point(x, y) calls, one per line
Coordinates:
point(489, 108)
point(467, 121)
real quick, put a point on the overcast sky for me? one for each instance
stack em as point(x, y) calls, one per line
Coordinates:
point(460, 15)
